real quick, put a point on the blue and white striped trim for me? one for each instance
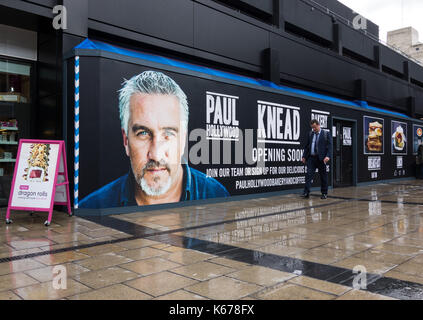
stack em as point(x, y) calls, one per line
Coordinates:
point(76, 178)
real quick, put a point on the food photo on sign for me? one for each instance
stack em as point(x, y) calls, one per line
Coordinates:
point(417, 137)
point(37, 170)
point(398, 137)
point(373, 135)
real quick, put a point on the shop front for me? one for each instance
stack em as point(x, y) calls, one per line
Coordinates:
point(17, 67)
point(15, 116)
point(30, 87)
point(146, 130)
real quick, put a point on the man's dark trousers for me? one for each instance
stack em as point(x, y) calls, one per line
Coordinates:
point(314, 162)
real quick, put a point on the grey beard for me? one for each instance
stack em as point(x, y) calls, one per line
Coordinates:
point(154, 191)
point(145, 187)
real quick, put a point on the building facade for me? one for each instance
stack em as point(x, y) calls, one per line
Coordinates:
point(309, 52)
point(407, 40)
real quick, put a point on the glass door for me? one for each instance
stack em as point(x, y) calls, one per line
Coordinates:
point(343, 153)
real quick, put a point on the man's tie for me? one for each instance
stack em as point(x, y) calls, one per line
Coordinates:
point(315, 142)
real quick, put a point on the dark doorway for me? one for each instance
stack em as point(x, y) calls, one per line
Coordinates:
point(343, 153)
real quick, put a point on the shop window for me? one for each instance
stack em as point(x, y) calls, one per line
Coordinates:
point(14, 82)
point(15, 108)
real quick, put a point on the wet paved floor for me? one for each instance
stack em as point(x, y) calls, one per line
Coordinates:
point(281, 247)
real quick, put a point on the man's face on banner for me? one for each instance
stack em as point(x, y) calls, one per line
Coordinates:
point(155, 141)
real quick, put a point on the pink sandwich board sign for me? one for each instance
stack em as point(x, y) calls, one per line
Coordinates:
point(40, 179)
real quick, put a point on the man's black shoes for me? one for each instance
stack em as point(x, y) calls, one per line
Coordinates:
point(306, 195)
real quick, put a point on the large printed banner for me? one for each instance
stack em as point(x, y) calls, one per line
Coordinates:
point(150, 136)
point(170, 137)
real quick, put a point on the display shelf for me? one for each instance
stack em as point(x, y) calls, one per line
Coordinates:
point(7, 160)
point(9, 128)
point(9, 142)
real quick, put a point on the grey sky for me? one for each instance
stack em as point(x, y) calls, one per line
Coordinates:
point(390, 14)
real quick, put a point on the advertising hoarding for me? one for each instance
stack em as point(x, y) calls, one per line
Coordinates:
point(240, 138)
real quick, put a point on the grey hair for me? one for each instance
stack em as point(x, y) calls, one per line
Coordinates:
point(150, 82)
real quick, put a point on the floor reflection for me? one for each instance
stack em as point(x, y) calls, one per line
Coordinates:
point(269, 247)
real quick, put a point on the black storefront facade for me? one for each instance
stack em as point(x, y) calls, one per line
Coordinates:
point(369, 144)
point(229, 70)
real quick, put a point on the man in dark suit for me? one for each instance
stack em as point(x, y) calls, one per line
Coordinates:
point(317, 153)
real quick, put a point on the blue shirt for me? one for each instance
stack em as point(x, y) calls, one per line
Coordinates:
point(315, 140)
point(121, 192)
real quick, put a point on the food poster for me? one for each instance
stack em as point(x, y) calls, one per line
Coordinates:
point(398, 138)
point(373, 135)
point(417, 137)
